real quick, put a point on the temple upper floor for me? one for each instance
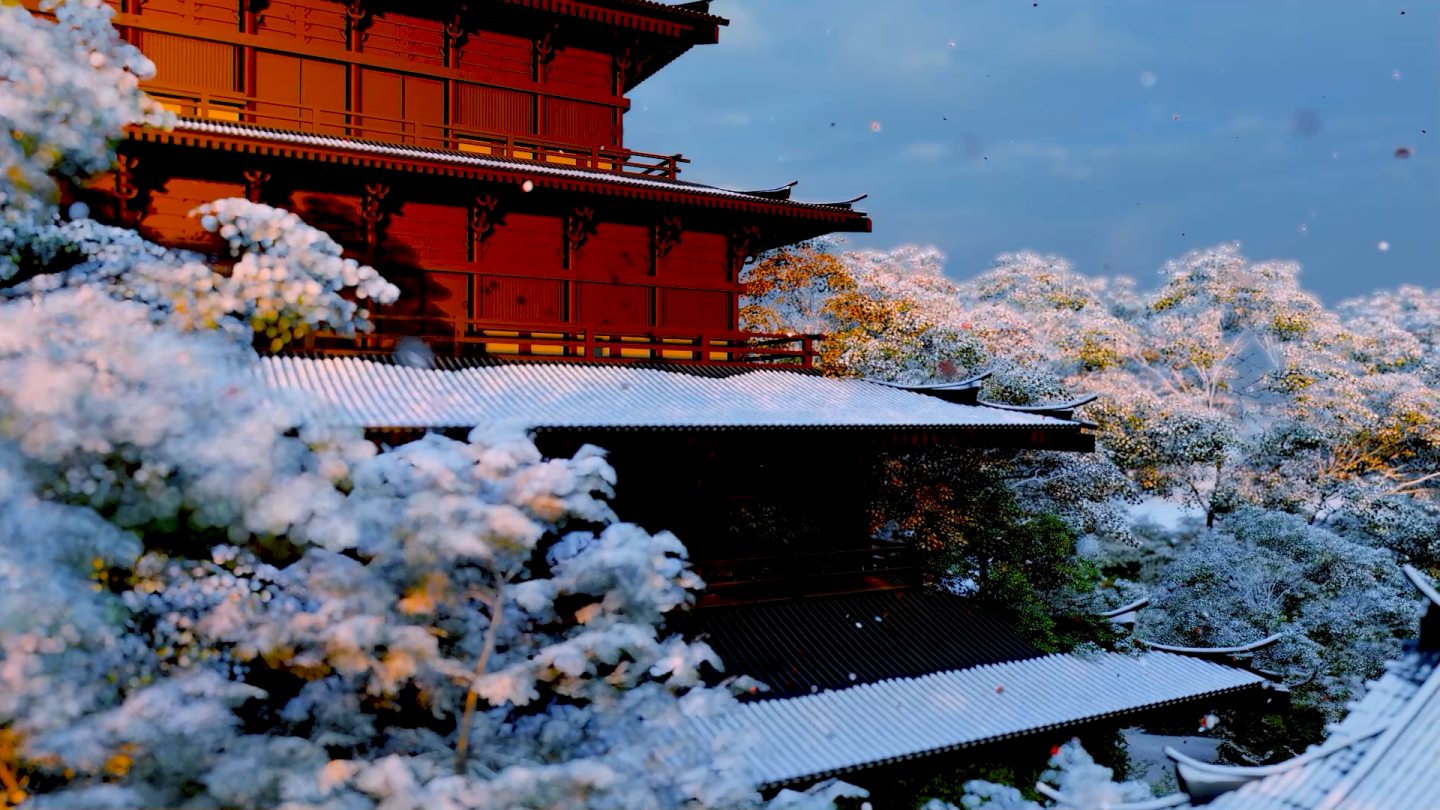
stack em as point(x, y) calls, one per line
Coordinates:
point(520, 79)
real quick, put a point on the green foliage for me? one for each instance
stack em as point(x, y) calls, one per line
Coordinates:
point(972, 531)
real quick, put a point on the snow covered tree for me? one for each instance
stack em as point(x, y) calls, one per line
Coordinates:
point(1079, 784)
point(205, 600)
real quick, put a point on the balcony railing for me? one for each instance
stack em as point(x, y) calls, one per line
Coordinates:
point(195, 103)
point(469, 336)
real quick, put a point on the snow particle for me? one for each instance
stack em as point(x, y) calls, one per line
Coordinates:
point(1147, 79)
point(1384, 246)
point(527, 186)
point(1395, 74)
point(78, 210)
point(874, 126)
point(857, 624)
point(852, 676)
point(1304, 228)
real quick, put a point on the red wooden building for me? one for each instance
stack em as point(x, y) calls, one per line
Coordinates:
point(474, 154)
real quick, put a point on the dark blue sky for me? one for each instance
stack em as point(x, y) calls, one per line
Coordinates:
point(1289, 115)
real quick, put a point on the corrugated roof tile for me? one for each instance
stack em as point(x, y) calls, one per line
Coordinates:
point(812, 736)
point(360, 392)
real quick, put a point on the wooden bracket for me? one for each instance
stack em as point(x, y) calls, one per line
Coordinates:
point(370, 213)
point(357, 18)
point(454, 34)
point(544, 53)
point(482, 223)
point(125, 189)
point(577, 228)
point(627, 67)
point(744, 247)
point(255, 181)
point(667, 235)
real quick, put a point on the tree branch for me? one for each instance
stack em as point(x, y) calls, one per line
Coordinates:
point(467, 718)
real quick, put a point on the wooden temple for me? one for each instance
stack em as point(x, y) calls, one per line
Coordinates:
point(472, 152)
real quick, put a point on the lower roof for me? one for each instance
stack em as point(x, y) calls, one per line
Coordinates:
point(379, 394)
point(799, 739)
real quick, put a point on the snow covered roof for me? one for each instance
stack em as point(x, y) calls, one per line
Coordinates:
point(813, 736)
point(369, 393)
point(458, 158)
point(1384, 754)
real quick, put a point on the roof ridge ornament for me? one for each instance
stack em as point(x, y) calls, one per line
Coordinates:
point(1059, 410)
point(844, 203)
point(777, 193)
point(960, 392)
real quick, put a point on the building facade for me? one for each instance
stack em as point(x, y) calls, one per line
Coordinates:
point(474, 154)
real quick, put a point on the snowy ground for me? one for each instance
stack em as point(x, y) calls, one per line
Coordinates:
point(1147, 754)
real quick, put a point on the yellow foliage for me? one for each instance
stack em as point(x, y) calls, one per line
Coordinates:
point(423, 598)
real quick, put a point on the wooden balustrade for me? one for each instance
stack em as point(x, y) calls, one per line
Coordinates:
point(470, 336)
point(197, 103)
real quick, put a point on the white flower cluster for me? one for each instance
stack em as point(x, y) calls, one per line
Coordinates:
point(290, 278)
point(70, 86)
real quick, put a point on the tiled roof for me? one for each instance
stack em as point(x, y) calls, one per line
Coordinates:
point(365, 393)
point(801, 738)
point(805, 645)
point(1384, 754)
point(1397, 768)
point(458, 158)
point(674, 8)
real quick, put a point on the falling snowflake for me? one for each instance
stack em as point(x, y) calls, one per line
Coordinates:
point(1147, 79)
point(852, 676)
point(952, 43)
point(857, 624)
point(874, 126)
point(1384, 246)
point(1208, 722)
point(527, 186)
point(1395, 74)
point(1304, 228)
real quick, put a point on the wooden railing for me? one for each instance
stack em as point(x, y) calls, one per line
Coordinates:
point(470, 336)
point(195, 103)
